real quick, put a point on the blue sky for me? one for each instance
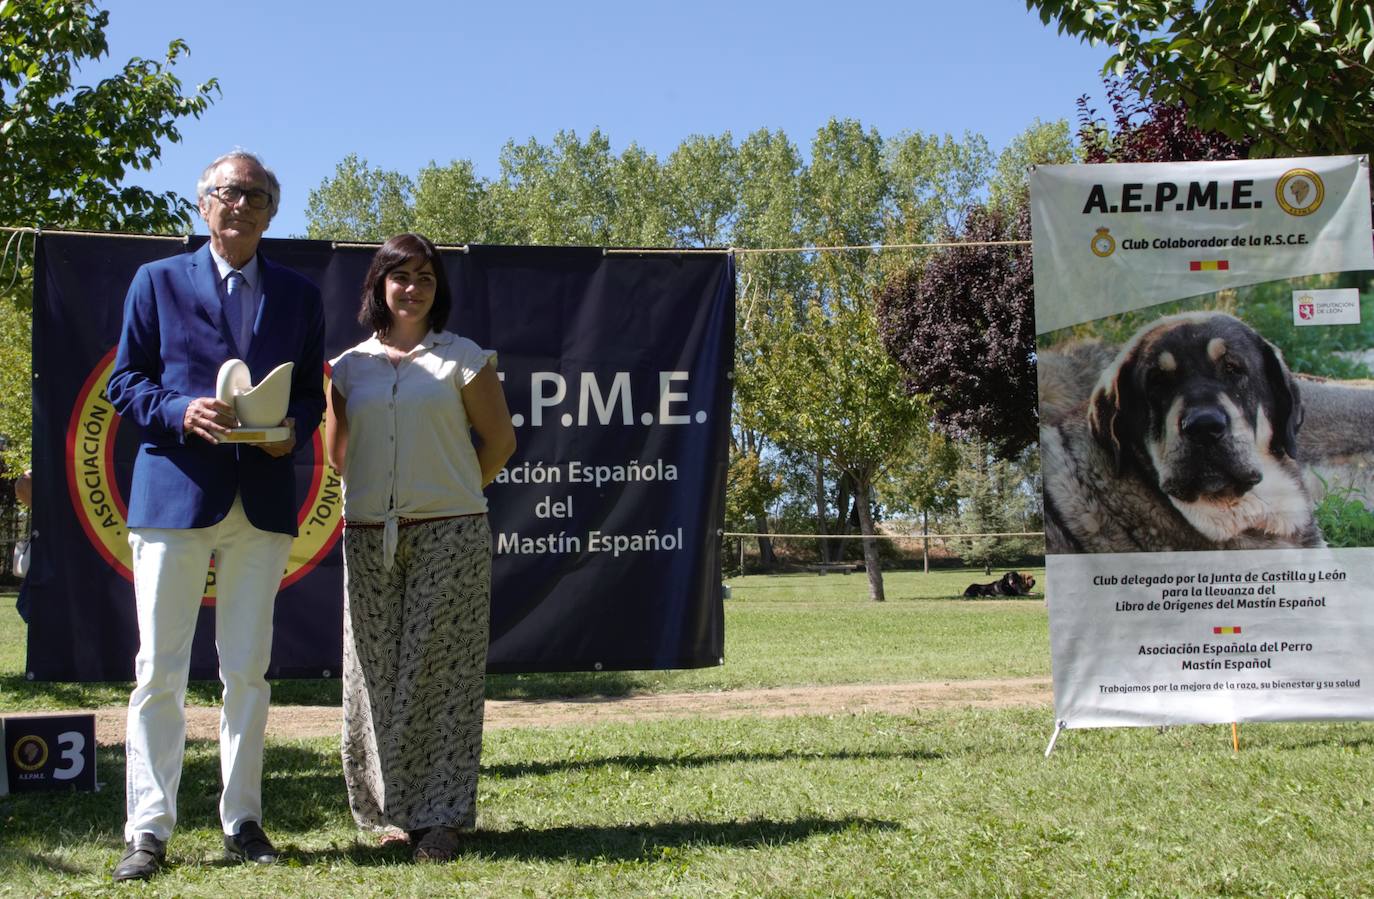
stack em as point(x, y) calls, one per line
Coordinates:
point(305, 82)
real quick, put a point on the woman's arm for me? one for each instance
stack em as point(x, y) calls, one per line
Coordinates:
point(493, 435)
point(336, 429)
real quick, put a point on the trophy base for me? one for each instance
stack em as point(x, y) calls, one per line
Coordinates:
point(255, 435)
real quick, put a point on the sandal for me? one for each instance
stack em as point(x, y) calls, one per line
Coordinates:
point(439, 844)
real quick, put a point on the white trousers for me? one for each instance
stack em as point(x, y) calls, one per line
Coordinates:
point(169, 580)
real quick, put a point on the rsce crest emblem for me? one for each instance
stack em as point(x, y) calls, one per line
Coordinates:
point(1103, 244)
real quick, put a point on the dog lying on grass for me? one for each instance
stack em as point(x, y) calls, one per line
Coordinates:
point(1013, 583)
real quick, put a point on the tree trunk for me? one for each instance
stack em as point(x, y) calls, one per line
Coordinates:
point(820, 512)
point(842, 485)
point(925, 540)
point(767, 558)
point(875, 573)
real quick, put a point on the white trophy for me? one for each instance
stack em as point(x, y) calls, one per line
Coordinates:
point(259, 409)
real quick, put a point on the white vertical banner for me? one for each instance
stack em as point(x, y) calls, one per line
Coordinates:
point(1205, 344)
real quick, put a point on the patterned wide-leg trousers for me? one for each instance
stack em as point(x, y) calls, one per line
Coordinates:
point(414, 673)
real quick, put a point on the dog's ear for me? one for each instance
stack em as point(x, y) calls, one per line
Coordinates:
point(1105, 417)
point(1287, 402)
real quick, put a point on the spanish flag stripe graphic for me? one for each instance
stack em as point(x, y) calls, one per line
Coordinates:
point(1209, 265)
point(1226, 630)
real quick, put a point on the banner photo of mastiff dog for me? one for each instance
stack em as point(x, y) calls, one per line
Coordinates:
point(1188, 440)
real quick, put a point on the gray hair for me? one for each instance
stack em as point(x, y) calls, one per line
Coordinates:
point(206, 182)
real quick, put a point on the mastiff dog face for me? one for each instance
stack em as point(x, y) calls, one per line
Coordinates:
point(1187, 442)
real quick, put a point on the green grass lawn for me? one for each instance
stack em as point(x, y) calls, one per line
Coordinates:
point(780, 630)
point(957, 802)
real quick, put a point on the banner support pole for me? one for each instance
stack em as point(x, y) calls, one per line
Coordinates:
point(1235, 737)
point(1054, 737)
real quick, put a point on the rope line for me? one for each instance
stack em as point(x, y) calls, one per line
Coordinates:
point(184, 238)
point(608, 251)
point(368, 245)
point(887, 536)
point(879, 247)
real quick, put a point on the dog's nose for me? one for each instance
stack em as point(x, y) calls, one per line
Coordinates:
point(1204, 425)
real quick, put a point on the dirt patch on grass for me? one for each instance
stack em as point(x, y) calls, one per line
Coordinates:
point(301, 722)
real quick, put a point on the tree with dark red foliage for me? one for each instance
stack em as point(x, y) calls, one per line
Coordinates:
point(962, 327)
point(963, 331)
point(1148, 132)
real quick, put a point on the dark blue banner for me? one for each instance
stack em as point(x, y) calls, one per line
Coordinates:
point(605, 522)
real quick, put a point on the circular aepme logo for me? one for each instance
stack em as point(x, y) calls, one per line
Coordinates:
point(30, 752)
point(102, 511)
point(1300, 191)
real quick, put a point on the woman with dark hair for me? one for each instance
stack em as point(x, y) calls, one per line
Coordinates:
point(417, 425)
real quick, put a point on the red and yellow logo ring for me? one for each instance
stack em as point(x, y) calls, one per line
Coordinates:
point(103, 512)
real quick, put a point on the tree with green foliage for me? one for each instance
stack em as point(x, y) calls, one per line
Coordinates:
point(857, 190)
point(701, 190)
point(451, 204)
point(639, 216)
point(923, 481)
point(759, 193)
point(1042, 143)
point(1291, 77)
point(767, 214)
point(562, 193)
point(65, 152)
point(752, 484)
point(359, 203)
point(934, 181)
point(65, 148)
point(998, 496)
point(822, 384)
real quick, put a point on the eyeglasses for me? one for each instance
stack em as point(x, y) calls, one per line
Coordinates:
point(230, 195)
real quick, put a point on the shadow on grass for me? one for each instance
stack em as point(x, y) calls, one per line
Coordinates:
point(10, 859)
point(623, 842)
point(302, 788)
point(60, 695)
point(54, 695)
point(654, 762)
point(569, 684)
point(305, 793)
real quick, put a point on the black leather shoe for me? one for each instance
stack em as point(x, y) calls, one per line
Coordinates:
point(250, 844)
point(144, 856)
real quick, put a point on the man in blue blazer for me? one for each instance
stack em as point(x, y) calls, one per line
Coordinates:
point(194, 497)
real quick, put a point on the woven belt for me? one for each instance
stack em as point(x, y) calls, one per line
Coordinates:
point(407, 522)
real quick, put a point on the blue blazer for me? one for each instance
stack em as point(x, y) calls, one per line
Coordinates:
point(173, 342)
